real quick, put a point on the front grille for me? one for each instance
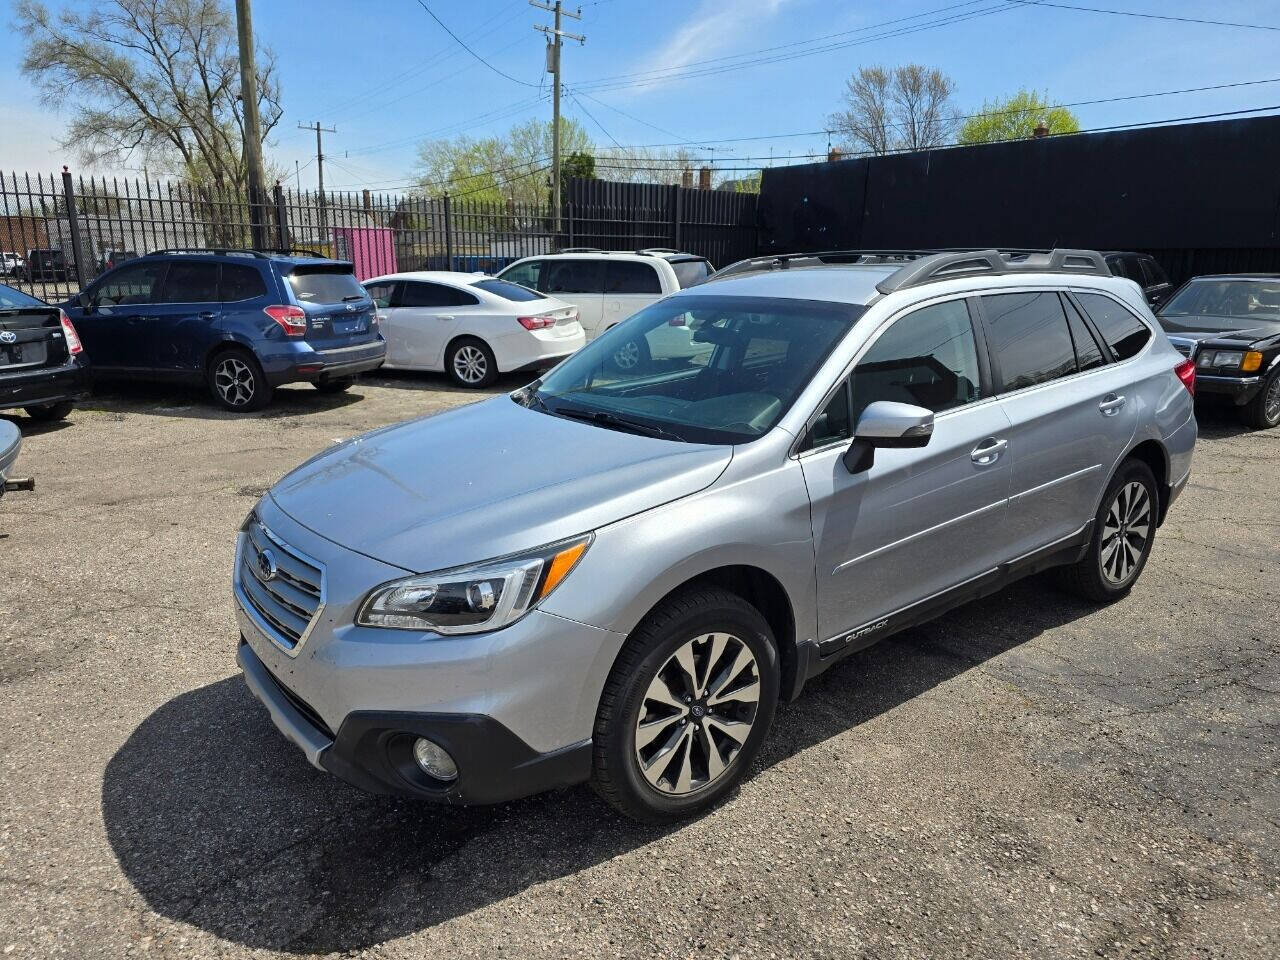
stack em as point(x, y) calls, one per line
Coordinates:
point(282, 586)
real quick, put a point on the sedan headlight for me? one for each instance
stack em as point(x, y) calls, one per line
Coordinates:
point(1221, 358)
point(485, 596)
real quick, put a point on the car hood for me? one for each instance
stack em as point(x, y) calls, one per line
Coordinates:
point(486, 480)
point(1207, 327)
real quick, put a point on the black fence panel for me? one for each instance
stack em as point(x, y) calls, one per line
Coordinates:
point(1179, 192)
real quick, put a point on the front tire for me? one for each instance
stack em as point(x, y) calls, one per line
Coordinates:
point(1263, 411)
point(48, 412)
point(686, 708)
point(1123, 533)
point(237, 382)
point(471, 364)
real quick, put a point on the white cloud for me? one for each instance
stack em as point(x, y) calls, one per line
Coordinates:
point(714, 28)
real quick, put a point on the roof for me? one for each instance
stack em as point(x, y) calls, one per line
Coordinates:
point(456, 278)
point(1238, 276)
point(844, 283)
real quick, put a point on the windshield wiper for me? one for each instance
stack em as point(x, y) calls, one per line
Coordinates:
point(606, 419)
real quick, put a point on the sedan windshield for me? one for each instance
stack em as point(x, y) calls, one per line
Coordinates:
point(699, 369)
point(1227, 298)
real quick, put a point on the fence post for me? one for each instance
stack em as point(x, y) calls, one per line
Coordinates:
point(569, 213)
point(675, 215)
point(73, 218)
point(282, 218)
point(448, 233)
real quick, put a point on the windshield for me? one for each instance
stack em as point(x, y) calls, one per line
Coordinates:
point(1227, 298)
point(698, 369)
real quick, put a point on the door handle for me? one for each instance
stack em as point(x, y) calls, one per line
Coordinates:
point(1111, 404)
point(206, 314)
point(445, 316)
point(988, 451)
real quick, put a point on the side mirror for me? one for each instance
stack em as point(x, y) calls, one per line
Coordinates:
point(83, 299)
point(887, 424)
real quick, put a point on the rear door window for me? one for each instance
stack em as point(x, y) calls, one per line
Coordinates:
point(627, 276)
point(689, 272)
point(241, 283)
point(1029, 338)
point(420, 294)
point(191, 282)
point(139, 283)
point(1124, 333)
point(325, 286)
point(573, 276)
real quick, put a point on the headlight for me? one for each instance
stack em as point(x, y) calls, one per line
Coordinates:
point(1221, 358)
point(473, 599)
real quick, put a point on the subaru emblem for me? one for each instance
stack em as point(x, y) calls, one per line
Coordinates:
point(267, 568)
point(8, 336)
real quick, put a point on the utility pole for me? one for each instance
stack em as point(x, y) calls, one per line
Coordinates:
point(252, 125)
point(554, 36)
point(324, 217)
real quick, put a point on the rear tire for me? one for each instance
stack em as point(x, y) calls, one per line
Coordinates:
point(1263, 411)
point(237, 382)
point(335, 386)
point(1123, 533)
point(48, 412)
point(699, 675)
point(470, 363)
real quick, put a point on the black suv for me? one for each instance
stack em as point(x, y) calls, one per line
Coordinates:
point(43, 368)
point(1143, 270)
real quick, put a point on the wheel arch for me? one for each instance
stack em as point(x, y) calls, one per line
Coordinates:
point(228, 340)
point(1153, 454)
point(763, 591)
point(453, 341)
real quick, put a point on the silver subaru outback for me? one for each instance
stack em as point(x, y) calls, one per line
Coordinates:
point(614, 574)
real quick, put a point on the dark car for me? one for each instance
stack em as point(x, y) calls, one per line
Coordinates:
point(46, 264)
point(241, 322)
point(111, 259)
point(1230, 326)
point(1143, 270)
point(43, 367)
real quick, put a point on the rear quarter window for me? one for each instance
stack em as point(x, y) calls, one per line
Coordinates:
point(627, 276)
point(689, 272)
point(325, 285)
point(241, 283)
point(1124, 334)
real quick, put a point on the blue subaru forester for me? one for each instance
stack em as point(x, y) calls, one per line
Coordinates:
point(241, 321)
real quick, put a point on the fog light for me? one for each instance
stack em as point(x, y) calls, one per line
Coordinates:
point(434, 760)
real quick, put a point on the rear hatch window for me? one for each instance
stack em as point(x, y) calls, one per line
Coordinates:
point(689, 272)
point(339, 310)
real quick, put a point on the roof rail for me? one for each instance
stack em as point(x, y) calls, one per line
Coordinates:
point(582, 250)
point(262, 254)
point(821, 257)
point(971, 263)
point(652, 250)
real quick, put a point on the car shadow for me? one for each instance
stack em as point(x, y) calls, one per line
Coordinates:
point(219, 822)
point(440, 383)
point(1218, 419)
point(192, 402)
point(34, 428)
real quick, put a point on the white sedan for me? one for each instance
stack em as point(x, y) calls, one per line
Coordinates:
point(471, 326)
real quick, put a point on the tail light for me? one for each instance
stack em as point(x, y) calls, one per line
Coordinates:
point(293, 320)
point(536, 323)
point(1186, 372)
point(74, 345)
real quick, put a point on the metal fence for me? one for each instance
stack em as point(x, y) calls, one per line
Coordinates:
point(58, 232)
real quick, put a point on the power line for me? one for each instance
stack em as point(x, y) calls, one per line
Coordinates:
point(594, 120)
point(1150, 16)
point(629, 116)
point(509, 110)
point(463, 45)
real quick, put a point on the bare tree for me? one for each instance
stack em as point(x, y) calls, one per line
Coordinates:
point(903, 108)
point(156, 77)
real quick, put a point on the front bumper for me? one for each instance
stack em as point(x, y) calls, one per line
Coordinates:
point(372, 749)
point(516, 707)
point(1239, 389)
point(40, 385)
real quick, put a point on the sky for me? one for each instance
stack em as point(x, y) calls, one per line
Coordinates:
point(387, 76)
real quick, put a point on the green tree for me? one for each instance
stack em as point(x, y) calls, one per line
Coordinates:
point(155, 77)
point(1016, 118)
point(577, 165)
point(493, 169)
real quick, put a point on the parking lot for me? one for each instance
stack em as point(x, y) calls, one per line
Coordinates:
point(1029, 777)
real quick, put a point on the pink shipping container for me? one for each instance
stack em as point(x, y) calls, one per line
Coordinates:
point(371, 249)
